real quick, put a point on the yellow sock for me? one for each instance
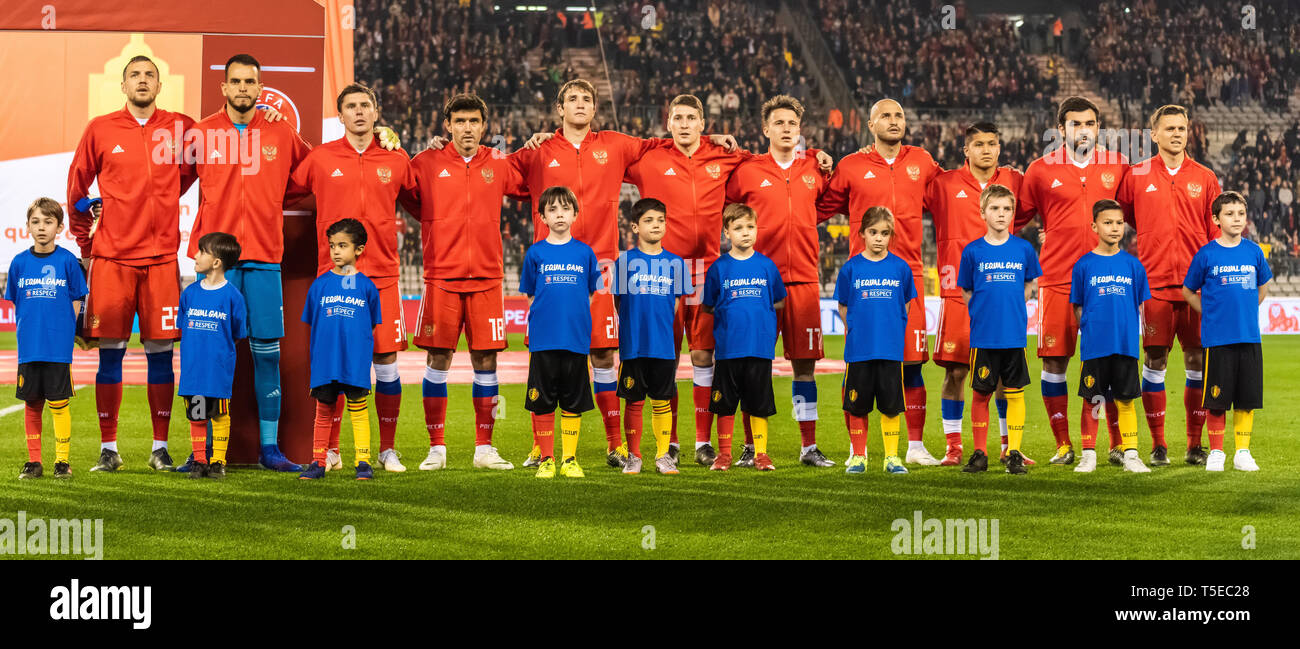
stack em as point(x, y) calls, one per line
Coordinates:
point(1243, 421)
point(220, 437)
point(889, 432)
point(1015, 417)
point(63, 429)
point(661, 422)
point(758, 426)
point(570, 424)
point(359, 412)
point(1128, 424)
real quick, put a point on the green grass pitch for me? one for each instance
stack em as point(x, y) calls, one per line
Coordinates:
point(796, 512)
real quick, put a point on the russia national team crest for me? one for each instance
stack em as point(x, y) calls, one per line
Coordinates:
point(950, 347)
point(269, 151)
point(810, 180)
point(1051, 341)
point(488, 175)
point(714, 170)
point(428, 330)
point(1108, 180)
point(913, 172)
point(272, 98)
point(1194, 190)
point(601, 156)
point(385, 175)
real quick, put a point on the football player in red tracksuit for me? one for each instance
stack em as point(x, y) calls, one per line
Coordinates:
point(1061, 188)
point(137, 156)
point(782, 187)
point(355, 177)
point(1167, 200)
point(895, 176)
point(458, 199)
point(953, 199)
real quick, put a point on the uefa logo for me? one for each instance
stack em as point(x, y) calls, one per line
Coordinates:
point(272, 98)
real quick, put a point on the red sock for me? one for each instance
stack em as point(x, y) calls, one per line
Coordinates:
point(857, 433)
point(1112, 424)
point(672, 439)
point(634, 424)
point(1056, 407)
point(607, 402)
point(1195, 415)
point(915, 399)
point(1153, 404)
point(1217, 422)
point(808, 432)
point(435, 418)
point(326, 420)
point(108, 400)
point(483, 420)
point(726, 427)
point(387, 406)
point(336, 422)
point(199, 440)
point(33, 429)
point(544, 433)
point(1087, 427)
point(703, 418)
point(979, 421)
point(749, 432)
point(160, 408)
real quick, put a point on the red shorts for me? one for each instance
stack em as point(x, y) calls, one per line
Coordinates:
point(1058, 328)
point(444, 313)
point(390, 335)
point(604, 322)
point(118, 292)
point(1163, 320)
point(952, 345)
point(697, 325)
point(916, 348)
point(800, 322)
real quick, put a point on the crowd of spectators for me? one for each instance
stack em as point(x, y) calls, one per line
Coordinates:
point(1267, 171)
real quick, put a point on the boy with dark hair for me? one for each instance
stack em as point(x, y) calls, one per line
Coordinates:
point(47, 287)
point(212, 316)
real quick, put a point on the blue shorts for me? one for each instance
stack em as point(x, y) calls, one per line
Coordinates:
point(260, 284)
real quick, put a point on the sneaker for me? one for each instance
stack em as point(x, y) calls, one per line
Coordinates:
point(721, 463)
point(333, 460)
point(545, 468)
point(199, 470)
point(1016, 463)
point(895, 466)
point(1064, 455)
point(313, 471)
point(569, 468)
point(108, 461)
point(704, 455)
point(159, 460)
point(1028, 462)
point(1116, 456)
point(1241, 461)
point(617, 457)
point(389, 461)
point(437, 459)
point(62, 470)
point(674, 451)
point(1087, 461)
point(1195, 455)
point(921, 456)
point(666, 465)
point(763, 463)
point(633, 465)
point(364, 471)
point(978, 463)
point(487, 458)
point(857, 465)
point(185, 468)
point(271, 458)
point(1214, 461)
point(217, 470)
point(1133, 463)
point(746, 460)
point(814, 457)
point(1160, 456)
point(534, 457)
point(31, 470)
point(952, 457)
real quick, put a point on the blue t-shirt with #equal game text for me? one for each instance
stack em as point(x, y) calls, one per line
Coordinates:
point(742, 293)
point(343, 311)
point(43, 288)
point(1110, 289)
point(560, 278)
point(1229, 281)
point(996, 276)
point(647, 287)
point(210, 320)
point(876, 294)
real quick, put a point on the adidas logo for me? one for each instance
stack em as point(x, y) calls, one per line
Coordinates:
point(670, 172)
point(444, 174)
point(273, 394)
point(961, 193)
point(554, 163)
point(336, 174)
point(869, 175)
point(118, 149)
point(765, 183)
point(1056, 183)
point(1151, 187)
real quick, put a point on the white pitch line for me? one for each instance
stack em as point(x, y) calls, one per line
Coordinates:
point(16, 408)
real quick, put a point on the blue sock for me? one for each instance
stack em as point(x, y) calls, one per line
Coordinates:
point(159, 366)
point(480, 391)
point(1194, 384)
point(389, 387)
point(1002, 408)
point(912, 377)
point(430, 389)
point(1051, 389)
point(952, 408)
point(110, 365)
point(804, 392)
point(266, 385)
